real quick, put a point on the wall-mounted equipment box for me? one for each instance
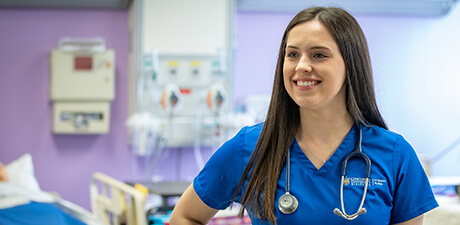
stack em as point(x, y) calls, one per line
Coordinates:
point(82, 86)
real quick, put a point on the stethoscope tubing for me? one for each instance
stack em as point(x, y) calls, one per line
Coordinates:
point(288, 203)
point(357, 152)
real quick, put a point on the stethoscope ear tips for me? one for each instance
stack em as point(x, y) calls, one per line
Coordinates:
point(362, 211)
point(350, 217)
point(337, 212)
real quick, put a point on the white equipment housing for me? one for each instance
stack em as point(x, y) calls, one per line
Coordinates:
point(194, 52)
point(82, 86)
point(197, 77)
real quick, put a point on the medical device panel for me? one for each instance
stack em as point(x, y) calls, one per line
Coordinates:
point(82, 85)
point(187, 95)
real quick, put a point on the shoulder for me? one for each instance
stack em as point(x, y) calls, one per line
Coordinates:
point(391, 145)
point(217, 181)
point(380, 131)
point(253, 130)
point(247, 137)
point(386, 139)
point(388, 146)
point(240, 145)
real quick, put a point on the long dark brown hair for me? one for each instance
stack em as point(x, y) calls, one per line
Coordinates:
point(283, 117)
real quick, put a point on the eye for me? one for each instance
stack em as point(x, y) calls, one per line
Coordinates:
point(291, 54)
point(319, 55)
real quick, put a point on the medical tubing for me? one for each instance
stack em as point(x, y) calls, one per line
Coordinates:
point(293, 203)
point(357, 152)
point(140, 94)
point(159, 145)
point(217, 132)
point(197, 143)
point(160, 141)
point(156, 152)
point(355, 215)
point(142, 149)
point(364, 196)
point(341, 197)
point(149, 160)
point(141, 107)
point(288, 172)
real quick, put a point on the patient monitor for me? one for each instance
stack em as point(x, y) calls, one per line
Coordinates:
point(82, 86)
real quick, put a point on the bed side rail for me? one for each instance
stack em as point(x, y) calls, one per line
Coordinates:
point(115, 202)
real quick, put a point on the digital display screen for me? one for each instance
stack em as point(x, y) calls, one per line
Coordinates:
point(83, 63)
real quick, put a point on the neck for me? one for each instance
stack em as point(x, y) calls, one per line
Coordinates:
point(324, 126)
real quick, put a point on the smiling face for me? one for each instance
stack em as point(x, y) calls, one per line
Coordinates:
point(314, 70)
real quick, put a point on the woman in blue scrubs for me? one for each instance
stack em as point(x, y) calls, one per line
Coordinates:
point(322, 102)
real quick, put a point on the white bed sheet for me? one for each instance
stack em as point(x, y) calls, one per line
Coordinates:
point(12, 195)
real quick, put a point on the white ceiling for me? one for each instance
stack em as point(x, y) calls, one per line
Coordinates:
point(371, 7)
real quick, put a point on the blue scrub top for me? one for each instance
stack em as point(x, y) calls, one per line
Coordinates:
point(398, 189)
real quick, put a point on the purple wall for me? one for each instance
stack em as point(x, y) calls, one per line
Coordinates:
point(63, 163)
point(258, 38)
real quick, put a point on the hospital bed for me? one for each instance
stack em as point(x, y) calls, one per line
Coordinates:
point(23, 202)
point(57, 211)
point(115, 202)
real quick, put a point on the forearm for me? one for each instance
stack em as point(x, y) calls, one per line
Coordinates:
point(416, 221)
point(190, 210)
point(179, 220)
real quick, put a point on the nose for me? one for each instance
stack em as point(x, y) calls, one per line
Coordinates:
point(304, 65)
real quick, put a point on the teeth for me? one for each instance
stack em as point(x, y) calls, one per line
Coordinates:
point(306, 83)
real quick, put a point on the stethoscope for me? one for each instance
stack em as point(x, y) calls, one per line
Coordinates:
point(288, 203)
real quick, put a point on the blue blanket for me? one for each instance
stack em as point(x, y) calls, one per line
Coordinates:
point(35, 213)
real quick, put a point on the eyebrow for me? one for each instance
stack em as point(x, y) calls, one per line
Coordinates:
point(290, 46)
point(311, 48)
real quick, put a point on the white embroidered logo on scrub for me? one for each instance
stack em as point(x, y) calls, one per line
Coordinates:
point(360, 181)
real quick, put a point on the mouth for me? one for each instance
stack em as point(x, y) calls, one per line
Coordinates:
point(308, 83)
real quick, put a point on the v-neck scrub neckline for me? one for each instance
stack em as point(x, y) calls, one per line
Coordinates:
point(345, 147)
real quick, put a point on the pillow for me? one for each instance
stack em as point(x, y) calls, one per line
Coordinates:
point(21, 173)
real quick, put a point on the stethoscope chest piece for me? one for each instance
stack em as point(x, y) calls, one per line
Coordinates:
point(287, 203)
